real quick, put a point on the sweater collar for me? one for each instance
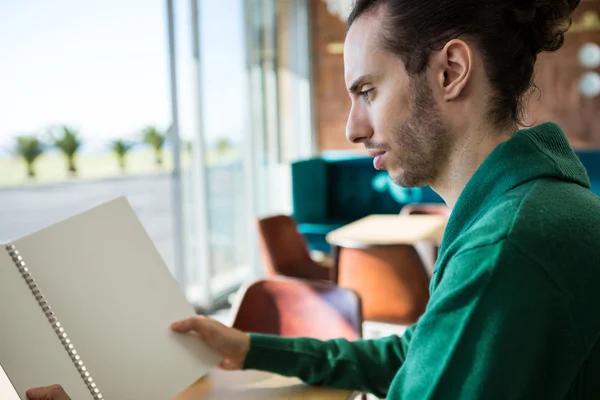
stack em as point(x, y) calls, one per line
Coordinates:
point(539, 152)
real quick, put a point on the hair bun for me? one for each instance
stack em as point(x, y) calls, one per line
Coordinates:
point(544, 22)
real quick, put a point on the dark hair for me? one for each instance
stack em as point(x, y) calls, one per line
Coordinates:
point(509, 33)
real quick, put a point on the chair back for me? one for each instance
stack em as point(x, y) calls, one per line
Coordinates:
point(391, 281)
point(298, 308)
point(284, 250)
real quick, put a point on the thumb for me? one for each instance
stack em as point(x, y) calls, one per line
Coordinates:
point(54, 392)
point(188, 325)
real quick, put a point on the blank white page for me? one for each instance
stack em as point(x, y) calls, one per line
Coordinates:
point(115, 298)
point(31, 353)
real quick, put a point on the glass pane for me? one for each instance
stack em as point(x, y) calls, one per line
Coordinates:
point(225, 133)
point(187, 121)
point(100, 69)
point(230, 57)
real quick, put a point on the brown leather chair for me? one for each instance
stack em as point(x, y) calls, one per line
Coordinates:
point(391, 281)
point(284, 250)
point(298, 308)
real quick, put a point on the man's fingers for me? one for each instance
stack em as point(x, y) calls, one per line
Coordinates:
point(54, 392)
point(190, 324)
point(184, 326)
point(228, 365)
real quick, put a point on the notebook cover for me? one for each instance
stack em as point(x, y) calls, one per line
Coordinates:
point(115, 297)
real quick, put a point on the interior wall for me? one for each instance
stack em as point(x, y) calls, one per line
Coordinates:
point(557, 77)
point(330, 97)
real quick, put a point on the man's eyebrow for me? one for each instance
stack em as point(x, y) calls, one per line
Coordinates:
point(354, 88)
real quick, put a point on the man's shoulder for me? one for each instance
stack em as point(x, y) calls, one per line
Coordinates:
point(553, 224)
point(544, 209)
point(557, 226)
point(558, 213)
point(541, 214)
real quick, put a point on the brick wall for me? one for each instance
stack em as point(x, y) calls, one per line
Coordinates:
point(557, 76)
point(331, 100)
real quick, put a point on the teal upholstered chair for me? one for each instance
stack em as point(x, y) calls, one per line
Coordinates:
point(340, 187)
point(329, 192)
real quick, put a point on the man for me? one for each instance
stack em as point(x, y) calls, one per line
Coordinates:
point(437, 91)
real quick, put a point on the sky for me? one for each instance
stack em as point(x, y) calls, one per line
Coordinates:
point(102, 67)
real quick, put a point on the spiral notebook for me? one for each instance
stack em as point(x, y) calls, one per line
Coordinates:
point(87, 303)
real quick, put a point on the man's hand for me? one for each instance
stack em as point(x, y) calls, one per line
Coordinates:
point(54, 392)
point(233, 345)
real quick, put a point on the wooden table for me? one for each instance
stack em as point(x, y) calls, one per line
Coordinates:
point(255, 385)
point(389, 230)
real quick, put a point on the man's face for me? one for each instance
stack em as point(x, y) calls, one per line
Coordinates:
point(395, 116)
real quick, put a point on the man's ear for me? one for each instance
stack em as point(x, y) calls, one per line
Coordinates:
point(453, 66)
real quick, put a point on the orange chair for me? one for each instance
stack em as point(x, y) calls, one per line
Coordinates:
point(298, 308)
point(391, 281)
point(285, 252)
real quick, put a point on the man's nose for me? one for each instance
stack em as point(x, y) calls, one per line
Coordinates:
point(358, 127)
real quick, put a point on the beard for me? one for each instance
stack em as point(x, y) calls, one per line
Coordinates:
point(423, 141)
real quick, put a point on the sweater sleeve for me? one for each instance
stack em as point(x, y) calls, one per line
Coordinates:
point(363, 365)
point(496, 327)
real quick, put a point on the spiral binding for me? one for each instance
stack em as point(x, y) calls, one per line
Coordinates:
point(62, 335)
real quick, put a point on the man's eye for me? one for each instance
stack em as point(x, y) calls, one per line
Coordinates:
point(365, 94)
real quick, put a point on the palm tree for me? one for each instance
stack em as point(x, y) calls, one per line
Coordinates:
point(29, 148)
point(121, 148)
point(223, 145)
point(156, 140)
point(68, 144)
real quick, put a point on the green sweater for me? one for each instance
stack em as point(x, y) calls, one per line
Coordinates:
point(514, 311)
